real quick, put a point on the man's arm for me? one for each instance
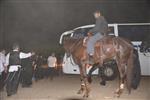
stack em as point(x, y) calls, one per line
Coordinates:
point(25, 55)
point(3, 58)
point(94, 30)
point(7, 59)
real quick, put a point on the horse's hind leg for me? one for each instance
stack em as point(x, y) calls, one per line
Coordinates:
point(119, 91)
point(121, 68)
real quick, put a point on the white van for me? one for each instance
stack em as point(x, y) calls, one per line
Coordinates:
point(136, 32)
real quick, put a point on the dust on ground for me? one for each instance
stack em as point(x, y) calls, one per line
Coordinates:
point(66, 87)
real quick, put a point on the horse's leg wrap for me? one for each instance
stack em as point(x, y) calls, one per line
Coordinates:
point(87, 89)
point(122, 86)
point(86, 86)
point(119, 91)
point(82, 88)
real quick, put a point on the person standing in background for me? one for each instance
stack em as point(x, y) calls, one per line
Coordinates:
point(13, 62)
point(38, 72)
point(52, 63)
point(27, 72)
point(2, 68)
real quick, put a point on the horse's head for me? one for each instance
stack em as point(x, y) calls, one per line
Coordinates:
point(69, 41)
point(67, 44)
point(70, 44)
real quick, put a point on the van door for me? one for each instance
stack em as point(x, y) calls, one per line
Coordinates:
point(137, 34)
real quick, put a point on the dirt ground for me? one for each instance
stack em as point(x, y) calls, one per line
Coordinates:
point(65, 88)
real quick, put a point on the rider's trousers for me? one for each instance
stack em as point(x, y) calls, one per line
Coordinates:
point(91, 43)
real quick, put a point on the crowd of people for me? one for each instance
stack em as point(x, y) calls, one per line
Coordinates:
point(31, 66)
point(17, 67)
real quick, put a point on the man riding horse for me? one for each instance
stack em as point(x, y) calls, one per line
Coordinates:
point(95, 34)
point(101, 48)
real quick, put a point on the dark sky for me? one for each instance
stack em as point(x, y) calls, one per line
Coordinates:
point(38, 24)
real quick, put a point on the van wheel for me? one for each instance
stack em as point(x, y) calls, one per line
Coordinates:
point(110, 71)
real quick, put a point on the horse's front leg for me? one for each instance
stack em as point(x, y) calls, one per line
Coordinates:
point(84, 82)
point(87, 88)
point(82, 88)
point(119, 91)
point(85, 79)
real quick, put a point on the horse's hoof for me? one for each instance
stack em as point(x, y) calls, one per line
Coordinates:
point(103, 83)
point(85, 96)
point(117, 95)
point(79, 92)
point(118, 92)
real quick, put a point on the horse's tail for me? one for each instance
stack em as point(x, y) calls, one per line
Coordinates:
point(136, 71)
point(133, 71)
point(129, 73)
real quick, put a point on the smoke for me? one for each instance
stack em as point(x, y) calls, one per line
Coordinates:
point(39, 23)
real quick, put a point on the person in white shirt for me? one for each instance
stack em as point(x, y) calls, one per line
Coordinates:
point(13, 62)
point(2, 68)
point(52, 63)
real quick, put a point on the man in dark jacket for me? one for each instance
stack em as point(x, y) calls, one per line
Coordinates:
point(13, 61)
point(27, 72)
point(95, 34)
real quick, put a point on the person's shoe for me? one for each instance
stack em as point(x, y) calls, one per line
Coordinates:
point(2, 89)
point(9, 94)
point(26, 86)
point(14, 92)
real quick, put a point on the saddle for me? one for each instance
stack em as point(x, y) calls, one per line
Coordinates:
point(103, 47)
point(106, 40)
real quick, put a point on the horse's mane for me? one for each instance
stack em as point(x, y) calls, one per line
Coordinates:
point(71, 40)
point(73, 43)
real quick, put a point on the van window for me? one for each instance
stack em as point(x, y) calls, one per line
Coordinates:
point(111, 30)
point(80, 33)
point(134, 32)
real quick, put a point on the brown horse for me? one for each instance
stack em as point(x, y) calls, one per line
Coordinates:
point(110, 47)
